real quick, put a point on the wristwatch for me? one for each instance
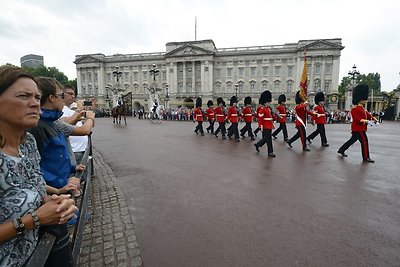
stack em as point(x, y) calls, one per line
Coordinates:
point(19, 226)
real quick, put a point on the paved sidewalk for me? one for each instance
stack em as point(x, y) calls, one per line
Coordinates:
point(109, 238)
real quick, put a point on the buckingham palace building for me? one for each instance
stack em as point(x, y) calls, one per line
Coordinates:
point(187, 70)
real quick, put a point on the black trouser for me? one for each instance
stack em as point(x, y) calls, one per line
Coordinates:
point(362, 138)
point(211, 126)
point(321, 131)
point(301, 132)
point(282, 127)
point(257, 130)
point(199, 127)
point(233, 130)
point(61, 253)
point(247, 128)
point(266, 138)
point(221, 128)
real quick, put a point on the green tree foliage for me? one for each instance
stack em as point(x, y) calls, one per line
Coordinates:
point(52, 72)
point(373, 80)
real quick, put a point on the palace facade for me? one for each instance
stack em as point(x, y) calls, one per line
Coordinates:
point(191, 69)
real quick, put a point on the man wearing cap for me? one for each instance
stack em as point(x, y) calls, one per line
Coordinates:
point(320, 119)
point(247, 115)
point(265, 121)
point(210, 116)
point(198, 116)
point(301, 120)
point(233, 118)
point(281, 108)
point(361, 118)
point(258, 121)
point(220, 117)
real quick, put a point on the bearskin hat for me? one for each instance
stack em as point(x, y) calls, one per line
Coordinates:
point(198, 102)
point(233, 100)
point(210, 103)
point(281, 98)
point(360, 92)
point(223, 103)
point(298, 99)
point(265, 97)
point(319, 97)
point(247, 100)
point(219, 101)
point(259, 101)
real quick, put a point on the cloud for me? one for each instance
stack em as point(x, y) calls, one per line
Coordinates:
point(60, 30)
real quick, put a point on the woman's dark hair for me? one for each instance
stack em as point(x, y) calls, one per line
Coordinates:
point(8, 76)
point(47, 87)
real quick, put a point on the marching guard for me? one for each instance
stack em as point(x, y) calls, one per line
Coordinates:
point(282, 113)
point(301, 120)
point(266, 125)
point(247, 115)
point(220, 116)
point(361, 118)
point(210, 116)
point(198, 116)
point(320, 119)
point(233, 118)
point(258, 122)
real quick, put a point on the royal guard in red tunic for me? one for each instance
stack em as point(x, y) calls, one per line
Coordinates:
point(210, 116)
point(247, 115)
point(282, 112)
point(266, 119)
point(258, 122)
point(320, 119)
point(233, 118)
point(220, 117)
point(198, 116)
point(361, 118)
point(301, 121)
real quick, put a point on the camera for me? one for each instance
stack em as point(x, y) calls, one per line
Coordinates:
point(87, 103)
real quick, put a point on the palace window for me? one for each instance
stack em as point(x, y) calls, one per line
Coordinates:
point(252, 86)
point(327, 86)
point(290, 71)
point(317, 69)
point(289, 86)
point(253, 71)
point(264, 85)
point(328, 68)
point(277, 71)
point(241, 72)
point(229, 72)
point(277, 86)
point(265, 71)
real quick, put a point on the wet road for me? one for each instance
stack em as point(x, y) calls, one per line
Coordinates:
point(202, 201)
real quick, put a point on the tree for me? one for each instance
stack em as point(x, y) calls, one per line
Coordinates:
point(373, 80)
point(52, 72)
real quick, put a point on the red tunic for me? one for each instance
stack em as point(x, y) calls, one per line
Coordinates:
point(247, 114)
point(258, 115)
point(198, 114)
point(219, 114)
point(233, 116)
point(301, 114)
point(210, 114)
point(321, 119)
point(265, 118)
point(359, 113)
point(282, 113)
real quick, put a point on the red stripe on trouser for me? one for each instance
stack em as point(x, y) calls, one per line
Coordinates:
point(364, 143)
point(302, 136)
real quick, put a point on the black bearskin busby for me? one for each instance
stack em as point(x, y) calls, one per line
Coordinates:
point(198, 102)
point(233, 100)
point(265, 97)
point(360, 92)
point(210, 103)
point(319, 97)
point(298, 99)
point(220, 101)
point(281, 99)
point(247, 100)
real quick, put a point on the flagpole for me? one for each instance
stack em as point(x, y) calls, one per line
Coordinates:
point(195, 28)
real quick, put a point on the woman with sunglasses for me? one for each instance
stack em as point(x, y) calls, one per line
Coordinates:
point(24, 205)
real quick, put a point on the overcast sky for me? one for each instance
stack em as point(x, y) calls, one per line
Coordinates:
point(61, 29)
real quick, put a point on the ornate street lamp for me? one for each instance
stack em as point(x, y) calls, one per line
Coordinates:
point(353, 74)
point(154, 72)
point(166, 96)
point(236, 88)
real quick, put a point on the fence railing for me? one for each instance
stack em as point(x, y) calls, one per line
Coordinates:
point(42, 251)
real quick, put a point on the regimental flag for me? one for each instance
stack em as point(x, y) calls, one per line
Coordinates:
point(303, 81)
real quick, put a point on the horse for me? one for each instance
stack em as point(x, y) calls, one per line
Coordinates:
point(157, 114)
point(117, 113)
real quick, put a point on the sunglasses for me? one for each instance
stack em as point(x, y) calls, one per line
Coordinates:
point(62, 95)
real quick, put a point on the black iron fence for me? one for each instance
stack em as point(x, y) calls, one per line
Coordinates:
point(42, 251)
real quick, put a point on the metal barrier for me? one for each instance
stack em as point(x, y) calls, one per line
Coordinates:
point(42, 251)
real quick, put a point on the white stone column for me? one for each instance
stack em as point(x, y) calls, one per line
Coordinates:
point(184, 77)
point(193, 76)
